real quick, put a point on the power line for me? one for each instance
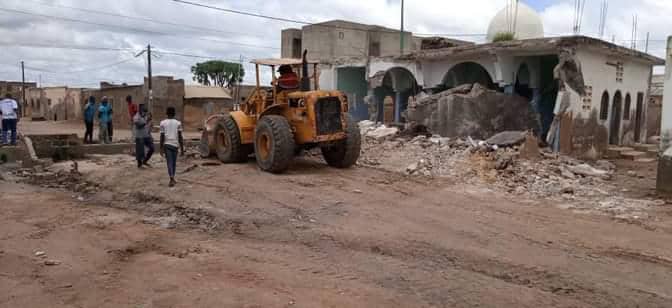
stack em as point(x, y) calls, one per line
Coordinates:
point(81, 70)
point(283, 19)
point(133, 28)
point(146, 19)
point(72, 47)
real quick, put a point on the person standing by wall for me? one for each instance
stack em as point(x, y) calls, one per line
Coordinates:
point(89, 116)
point(104, 119)
point(132, 110)
point(110, 130)
point(171, 138)
point(142, 130)
point(9, 110)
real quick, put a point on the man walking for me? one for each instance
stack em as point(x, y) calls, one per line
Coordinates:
point(89, 115)
point(171, 138)
point(104, 120)
point(9, 110)
point(142, 130)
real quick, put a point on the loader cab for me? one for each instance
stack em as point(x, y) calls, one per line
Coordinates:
point(279, 93)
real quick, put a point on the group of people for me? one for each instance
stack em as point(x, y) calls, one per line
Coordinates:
point(141, 126)
point(104, 112)
point(9, 111)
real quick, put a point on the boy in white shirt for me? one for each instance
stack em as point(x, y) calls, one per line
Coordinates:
point(171, 138)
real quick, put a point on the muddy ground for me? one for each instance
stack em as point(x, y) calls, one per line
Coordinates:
point(232, 236)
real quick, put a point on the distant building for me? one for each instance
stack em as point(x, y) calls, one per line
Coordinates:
point(15, 89)
point(339, 38)
point(200, 102)
point(54, 103)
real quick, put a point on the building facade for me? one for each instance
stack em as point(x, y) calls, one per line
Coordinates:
point(613, 109)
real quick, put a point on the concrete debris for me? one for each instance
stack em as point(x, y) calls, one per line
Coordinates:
point(381, 132)
point(505, 169)
point(471, 110)
point(40, 254)
point(587, 170)
point(507, 138)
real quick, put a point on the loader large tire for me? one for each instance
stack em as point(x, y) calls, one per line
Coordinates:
point(228, 145)
point(345, 153)
point(273, 144)
point(204, 146)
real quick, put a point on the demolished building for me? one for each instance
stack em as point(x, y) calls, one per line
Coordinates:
point(605, 85)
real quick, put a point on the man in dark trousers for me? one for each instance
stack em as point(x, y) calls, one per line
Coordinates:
point(89, 117)
point(171, 138)
point(142, 128)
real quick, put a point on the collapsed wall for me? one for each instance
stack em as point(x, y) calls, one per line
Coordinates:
point(471, 111)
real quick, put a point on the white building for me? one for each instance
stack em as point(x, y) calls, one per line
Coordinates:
point(611, 111)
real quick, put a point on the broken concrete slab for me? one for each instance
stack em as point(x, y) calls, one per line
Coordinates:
point(615, 152)
point(645, 160)
point(632, 155)
point(587, 170)
point(507, 138)
point(382, 132)
point(480, 113)
point(646, 147)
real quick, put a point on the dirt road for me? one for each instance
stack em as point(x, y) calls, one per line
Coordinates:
point(231, 236)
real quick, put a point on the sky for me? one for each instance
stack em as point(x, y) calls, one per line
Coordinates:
point(103, 47)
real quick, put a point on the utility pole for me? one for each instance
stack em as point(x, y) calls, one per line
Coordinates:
point(401, 34)
point(23, 90)
point(646, 49)
point(149, 78)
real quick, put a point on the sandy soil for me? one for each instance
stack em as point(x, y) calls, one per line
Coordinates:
point(232, 236)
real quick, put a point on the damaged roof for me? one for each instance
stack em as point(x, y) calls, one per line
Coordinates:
point(539, 44)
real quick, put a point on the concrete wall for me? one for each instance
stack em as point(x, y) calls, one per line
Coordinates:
point(54, 103)
point(167, 92)
point(653, 114)
point(117, 97)
point(600, 76)
point(197, 110)
point(336, 39)
point(288, 37)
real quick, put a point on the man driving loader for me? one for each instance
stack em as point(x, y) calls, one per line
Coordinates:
point(288, 80)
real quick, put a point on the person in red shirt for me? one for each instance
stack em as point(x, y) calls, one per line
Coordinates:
point(132, 110)
point(288, 80)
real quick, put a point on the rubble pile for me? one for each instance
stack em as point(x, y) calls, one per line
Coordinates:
point(71, 180)
point(496, 161)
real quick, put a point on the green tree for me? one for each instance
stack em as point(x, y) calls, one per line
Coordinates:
point(218, 73)
point(503, 36)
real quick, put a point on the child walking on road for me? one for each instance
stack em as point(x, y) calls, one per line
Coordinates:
point(171, 139)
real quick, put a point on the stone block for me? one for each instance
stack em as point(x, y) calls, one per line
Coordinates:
point(632, 155)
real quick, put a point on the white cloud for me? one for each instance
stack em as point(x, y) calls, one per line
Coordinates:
point(422, 16)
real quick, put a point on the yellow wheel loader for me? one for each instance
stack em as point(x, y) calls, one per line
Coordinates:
point(277, 124)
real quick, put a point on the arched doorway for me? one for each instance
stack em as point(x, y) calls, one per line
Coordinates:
point(392, 96)
point(615, 122)
point(466, 73)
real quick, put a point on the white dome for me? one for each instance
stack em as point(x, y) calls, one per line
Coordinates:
point(528, 23)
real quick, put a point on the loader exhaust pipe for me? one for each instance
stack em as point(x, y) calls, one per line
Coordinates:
point(305, 80)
